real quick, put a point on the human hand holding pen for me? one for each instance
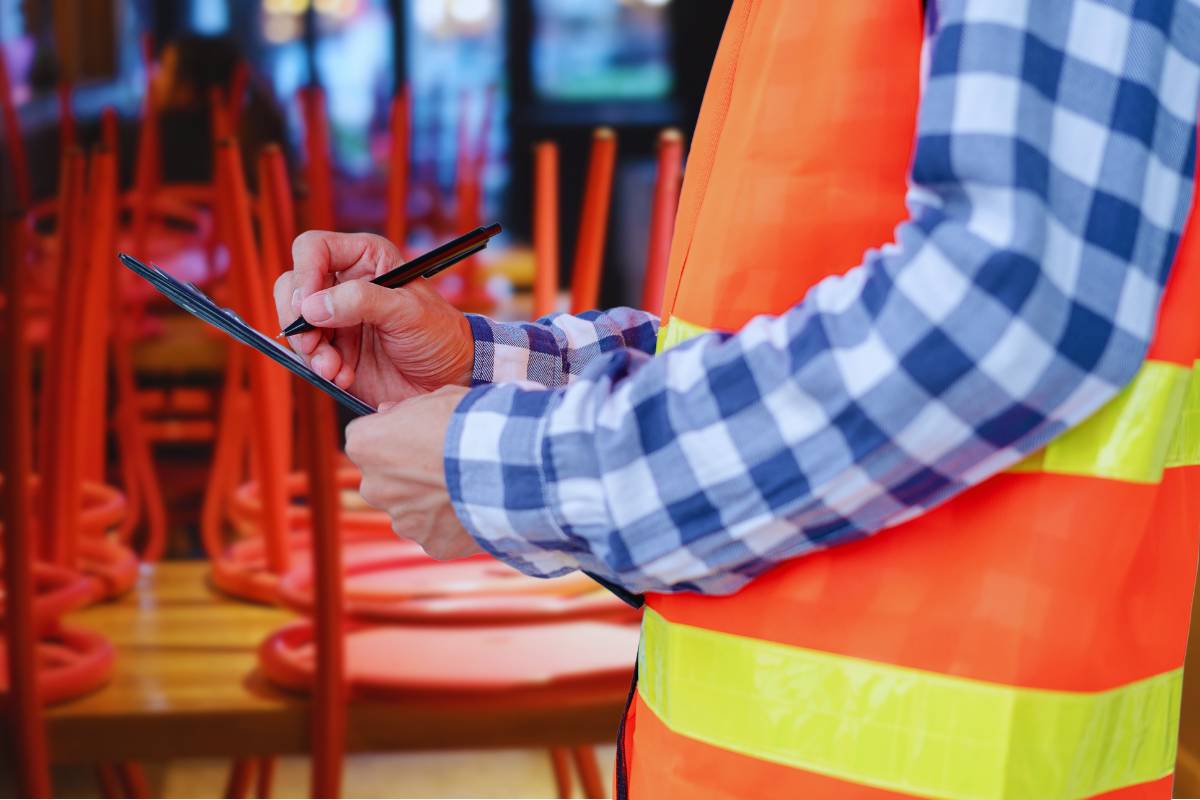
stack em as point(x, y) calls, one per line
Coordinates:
point(381, 344)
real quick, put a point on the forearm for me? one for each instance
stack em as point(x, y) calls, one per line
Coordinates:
point(554, 349)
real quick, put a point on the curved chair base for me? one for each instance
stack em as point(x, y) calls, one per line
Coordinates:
point(110, 566)
point(243, 573)
point(72, 662)
point(394, 661)
point(57, 591)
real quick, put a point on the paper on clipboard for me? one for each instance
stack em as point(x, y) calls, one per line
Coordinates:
point(198, 304)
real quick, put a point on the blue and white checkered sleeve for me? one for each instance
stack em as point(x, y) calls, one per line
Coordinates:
point(1051, 180)
point(555, 349)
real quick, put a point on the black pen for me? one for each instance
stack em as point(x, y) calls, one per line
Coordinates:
point(423, 266)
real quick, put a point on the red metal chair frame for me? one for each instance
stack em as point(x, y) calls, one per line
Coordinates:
point(593, 222)
point(662, 218)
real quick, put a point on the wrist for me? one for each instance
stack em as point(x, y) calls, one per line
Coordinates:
point(465, 369)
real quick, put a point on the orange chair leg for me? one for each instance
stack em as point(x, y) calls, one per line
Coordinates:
point(589, 772)
point(560, 760)
point(27, 734)
point(593, 222)
point(133, 779)
point(545, 228)
point(108, 781)
point(329, 685)
point(240, 774)
point(266, 777)
point(662, 218)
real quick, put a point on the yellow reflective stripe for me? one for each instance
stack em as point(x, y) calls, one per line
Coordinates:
point(1153, 423)
point(1185, 447)
point(901, 729)
point(1129, 439)
point(676, 331)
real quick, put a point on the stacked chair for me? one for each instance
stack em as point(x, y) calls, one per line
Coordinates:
point(62, 548)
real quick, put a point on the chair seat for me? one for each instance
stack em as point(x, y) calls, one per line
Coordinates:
point(72, 662)
point(472, 591)
point(396, 661)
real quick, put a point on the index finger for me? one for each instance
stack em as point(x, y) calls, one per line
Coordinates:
point(320, 257)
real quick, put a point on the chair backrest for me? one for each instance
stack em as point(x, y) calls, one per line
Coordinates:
point(593, 222)
point(662, 218)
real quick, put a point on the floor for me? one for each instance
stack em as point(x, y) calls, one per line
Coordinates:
point(461, 774)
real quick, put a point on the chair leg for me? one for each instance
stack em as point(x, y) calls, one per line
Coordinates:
point(560, 760)
point(240, 773)
point(133, 779)
point(110, 784)
point(589, 772)
point(266, 776)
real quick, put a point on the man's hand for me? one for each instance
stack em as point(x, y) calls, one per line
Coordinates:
point(399, 451)
point(382, 344)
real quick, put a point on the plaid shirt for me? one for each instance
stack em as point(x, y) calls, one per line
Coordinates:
point(1051, 180)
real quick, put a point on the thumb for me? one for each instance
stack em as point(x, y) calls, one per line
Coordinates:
point(387, 405)
point(354, 303)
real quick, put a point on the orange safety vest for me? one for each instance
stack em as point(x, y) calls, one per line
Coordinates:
point(1025, 639)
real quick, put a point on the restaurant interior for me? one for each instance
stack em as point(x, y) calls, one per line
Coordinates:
point(195, 600)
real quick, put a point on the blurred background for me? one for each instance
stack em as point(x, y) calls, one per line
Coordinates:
point(502, 73)
point(194, 600)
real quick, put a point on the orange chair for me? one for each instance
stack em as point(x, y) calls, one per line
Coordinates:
point(268, 385)
point(26, 733)
point(270, 535)
point(78, 507)
point(44, 661)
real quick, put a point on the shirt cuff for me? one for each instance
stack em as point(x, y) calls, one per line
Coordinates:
point(494, 474)
point(509, 351)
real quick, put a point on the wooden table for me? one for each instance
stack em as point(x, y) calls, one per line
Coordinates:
point(186, 684)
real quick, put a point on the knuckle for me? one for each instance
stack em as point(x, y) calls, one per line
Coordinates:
point(304, 243)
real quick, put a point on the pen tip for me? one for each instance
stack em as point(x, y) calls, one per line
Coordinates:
point(279, 335)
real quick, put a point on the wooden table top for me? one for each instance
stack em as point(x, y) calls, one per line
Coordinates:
point(186, 684)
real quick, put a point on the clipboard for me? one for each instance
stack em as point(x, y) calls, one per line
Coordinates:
point(188, 297)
